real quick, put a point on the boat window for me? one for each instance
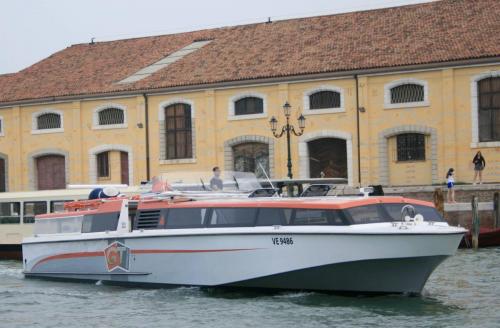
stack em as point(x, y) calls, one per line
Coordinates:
point(58, 225)
point(57, 206)
point(365, 214)
point(100, 222)
point(10, 212)
point(310, 217)
point(270, 217)
point(178, 218)
point(33, 208)
point(429, 213)
point(232, 217)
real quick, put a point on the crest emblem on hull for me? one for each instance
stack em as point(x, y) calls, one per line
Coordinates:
point(117, 255)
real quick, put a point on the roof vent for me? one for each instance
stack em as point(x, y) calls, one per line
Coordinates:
point(170, 59)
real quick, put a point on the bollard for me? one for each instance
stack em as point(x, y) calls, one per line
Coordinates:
point(439, 200)
point(475, 222)
point(496, 210)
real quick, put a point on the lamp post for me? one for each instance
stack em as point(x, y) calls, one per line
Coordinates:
point(288, 128)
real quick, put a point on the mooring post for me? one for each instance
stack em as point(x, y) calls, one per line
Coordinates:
point(496, 210)
point(475, 223)
point(439, 200)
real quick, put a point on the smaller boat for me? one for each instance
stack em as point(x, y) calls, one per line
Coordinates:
point(487, 238)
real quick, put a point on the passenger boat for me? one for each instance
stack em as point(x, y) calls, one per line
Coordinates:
point(18, 211)
point(338, 244)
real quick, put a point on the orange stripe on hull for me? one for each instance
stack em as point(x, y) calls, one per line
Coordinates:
point(162, 251)
point(69, 256)
point(138, 251)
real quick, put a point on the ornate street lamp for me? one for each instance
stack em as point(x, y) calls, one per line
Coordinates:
point(288, 128)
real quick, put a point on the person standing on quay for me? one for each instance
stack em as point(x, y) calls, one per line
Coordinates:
point(216, 182)
point(479, 165)
point(450, 183)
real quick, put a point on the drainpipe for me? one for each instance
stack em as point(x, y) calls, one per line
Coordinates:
point(146, 123)
point(357, 129)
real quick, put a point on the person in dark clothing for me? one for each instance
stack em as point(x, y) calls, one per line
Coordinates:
point(216, 181)
point(479, 165)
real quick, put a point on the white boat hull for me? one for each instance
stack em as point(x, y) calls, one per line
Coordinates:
point(329, 261)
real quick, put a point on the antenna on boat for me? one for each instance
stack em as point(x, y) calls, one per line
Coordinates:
point(237, 184)
point(267, 177)
point(203, 184)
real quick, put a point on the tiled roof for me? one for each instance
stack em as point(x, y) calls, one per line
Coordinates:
point(426, 33)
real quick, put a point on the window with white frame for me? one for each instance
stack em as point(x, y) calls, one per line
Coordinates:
point(489, 109)
point(47, 121)
point(1, 127)
point(324, 99)
point(109, 116)
point(406, 93)
point(247, 106)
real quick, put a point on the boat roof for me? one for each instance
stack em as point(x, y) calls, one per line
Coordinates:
point(306, 202)
point(114, 205)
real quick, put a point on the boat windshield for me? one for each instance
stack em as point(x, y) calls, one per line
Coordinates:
point(77, 224)
point(222, 181)
point(72, 224)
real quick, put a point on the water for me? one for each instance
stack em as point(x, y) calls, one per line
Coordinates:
point(463, 292)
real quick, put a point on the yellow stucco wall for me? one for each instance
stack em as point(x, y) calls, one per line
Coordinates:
point(446, 119)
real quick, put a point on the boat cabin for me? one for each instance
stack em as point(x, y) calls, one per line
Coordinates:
point(126, 215)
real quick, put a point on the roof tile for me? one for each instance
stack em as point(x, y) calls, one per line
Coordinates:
point(433, 32)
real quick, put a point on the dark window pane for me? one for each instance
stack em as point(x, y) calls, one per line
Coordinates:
point(110, 116)
point(10, 212)
point(178, 218)
point(178, 132)
point(100, 222)
point(365, 214)
point(310, 217)
point(489, 109)
point(324, 99)
point(407, 93)
point(33, 208)
point(48, 121)
point(249, 105)
point(270, 217)
point(103, 165)
point(410, 147)
point(233, 217)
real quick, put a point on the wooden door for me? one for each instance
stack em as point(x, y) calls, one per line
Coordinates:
point(3, 176)
point(124, 167)
point(51, 172)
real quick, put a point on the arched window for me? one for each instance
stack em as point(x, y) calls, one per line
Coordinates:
point(111, 116)
point(249, 106)
point(410, 147)
point(178, 131)
point(489, 109)
point(252, 157)
point(324, 100)
point(407, 93)
point(48, 121)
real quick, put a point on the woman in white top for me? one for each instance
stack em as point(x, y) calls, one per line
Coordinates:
point(450, 183)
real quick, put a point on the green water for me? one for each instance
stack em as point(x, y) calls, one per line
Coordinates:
point(463, 292)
